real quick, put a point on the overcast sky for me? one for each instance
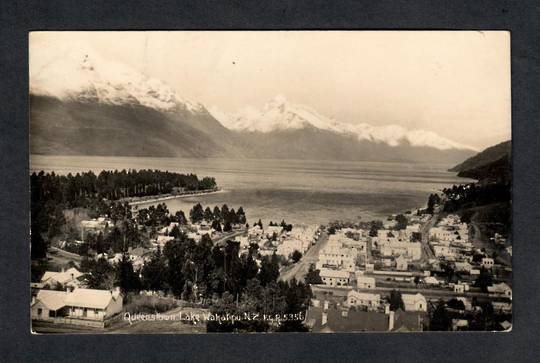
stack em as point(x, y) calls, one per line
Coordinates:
point(454, 83)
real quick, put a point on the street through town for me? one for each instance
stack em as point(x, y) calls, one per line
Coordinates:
point(300, 269)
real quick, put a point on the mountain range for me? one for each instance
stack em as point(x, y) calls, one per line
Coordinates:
point(83, 104)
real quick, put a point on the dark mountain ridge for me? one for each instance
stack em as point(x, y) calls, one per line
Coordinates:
point(490, 165)
point(91, 128)
point(491, 154)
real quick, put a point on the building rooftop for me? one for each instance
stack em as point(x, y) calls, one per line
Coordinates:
point(52, 299)
point(326, 272)
point(61, 277)
point(90, 298)
point(354, 321)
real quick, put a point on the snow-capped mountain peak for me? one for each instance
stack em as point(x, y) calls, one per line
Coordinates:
point(279, 114)
point(78, 72)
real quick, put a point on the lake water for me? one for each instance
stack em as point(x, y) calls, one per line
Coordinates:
point(299, 191)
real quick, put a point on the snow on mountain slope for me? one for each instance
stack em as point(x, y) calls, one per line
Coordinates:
point(77, 72)
point(280, 115)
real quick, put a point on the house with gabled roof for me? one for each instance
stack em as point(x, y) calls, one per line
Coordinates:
point(48, 304)
point(79, 307)
point(93, 304)
point(70, 277)
point(414, 302)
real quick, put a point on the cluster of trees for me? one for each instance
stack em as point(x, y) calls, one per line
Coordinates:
point(474, 195)
point(395, 300)
point(286, 227)
point(113, 185)
point(313, 276)
point(203, 272)
point(51, 194)
point(278, 306)
point(401, 222)
point(483, 319)
point(155, 216)
point(100, 274)
point(116, 240)
point(489, 204)
point(433, 200)
point(217, 217)
point(374, 227)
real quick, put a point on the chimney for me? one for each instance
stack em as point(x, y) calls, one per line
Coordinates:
point(391, 318)
point(324, 318)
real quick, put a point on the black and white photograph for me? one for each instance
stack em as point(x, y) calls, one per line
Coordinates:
point(189, 182)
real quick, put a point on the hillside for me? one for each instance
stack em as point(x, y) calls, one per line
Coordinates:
point(487, 204)
point(495, 171)
point(489, 155)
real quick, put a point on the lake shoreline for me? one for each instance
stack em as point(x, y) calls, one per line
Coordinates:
point(164, 197)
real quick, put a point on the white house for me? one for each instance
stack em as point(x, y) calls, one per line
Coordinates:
point(78, 306)
point(93, 304)
point(337, 254)
point(365, 282)
point(431, 280)
point(395, 247)
point(416, 302)
point(363, 299)
point(48, 304)
point(401, 263)
point(462, 266)
point(292, 244)
point(94, 225)
point(500, 289)
point(460, 288)
point(65, 278)
point(334, 277)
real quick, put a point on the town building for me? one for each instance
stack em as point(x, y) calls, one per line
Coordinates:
point(364, 282)
point(332, 277)
point(487, 262)
point(95, 225)
point(414, 302)
point(462, 266)
point(65, 278)
point(500, 289)
point(88, 307)
point(364, 300)
point(393, 247)
point(338, 254)
point(401, 263)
